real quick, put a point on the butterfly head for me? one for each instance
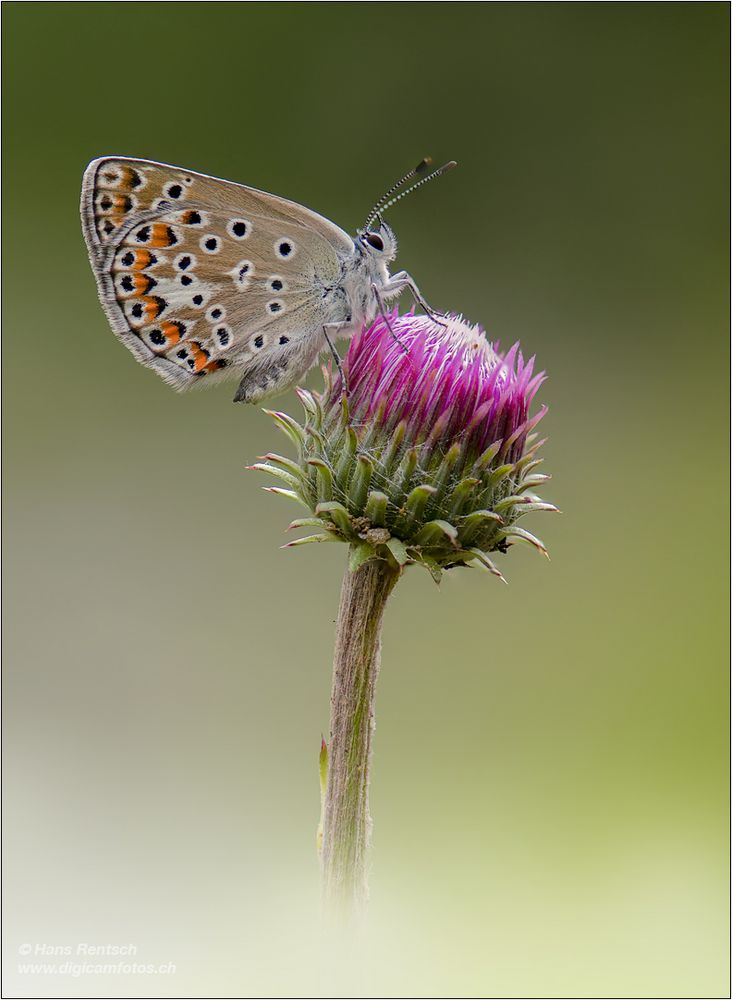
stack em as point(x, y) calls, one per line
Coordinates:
point(378, 242)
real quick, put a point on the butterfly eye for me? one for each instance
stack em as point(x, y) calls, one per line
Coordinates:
point(374, 241)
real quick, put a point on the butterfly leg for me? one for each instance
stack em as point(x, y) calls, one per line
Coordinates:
point(402, 279)
point(385, 316)
point(336, 328)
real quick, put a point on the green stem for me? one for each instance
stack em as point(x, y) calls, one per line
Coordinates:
point(347, 824)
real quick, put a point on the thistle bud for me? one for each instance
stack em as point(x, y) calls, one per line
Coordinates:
point(427, 456)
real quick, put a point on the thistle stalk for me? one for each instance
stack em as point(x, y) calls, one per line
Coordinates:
point(347, 823)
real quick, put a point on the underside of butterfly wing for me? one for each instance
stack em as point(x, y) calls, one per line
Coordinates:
point(201, 277)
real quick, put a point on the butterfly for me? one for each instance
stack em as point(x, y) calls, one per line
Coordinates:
point(204, 279)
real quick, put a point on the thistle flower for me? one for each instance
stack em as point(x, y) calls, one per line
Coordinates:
point(425, 457)
point(429, 456)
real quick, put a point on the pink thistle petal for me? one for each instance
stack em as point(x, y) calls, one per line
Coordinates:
point(449, 383)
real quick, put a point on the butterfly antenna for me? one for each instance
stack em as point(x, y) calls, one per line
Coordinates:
point(430, 177)
point(415, 172)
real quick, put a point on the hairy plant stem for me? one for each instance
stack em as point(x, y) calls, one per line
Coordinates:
point(346, 821)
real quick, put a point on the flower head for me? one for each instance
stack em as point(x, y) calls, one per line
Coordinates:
point(428, 456)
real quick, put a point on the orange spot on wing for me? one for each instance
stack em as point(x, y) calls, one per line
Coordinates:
point(161, 235)
point(199, 356)
point(151, 308)
point(121, 203)
point(130, 178)
point(217, 365)
point(141, 284)
point(142, 259)
point(172, 333)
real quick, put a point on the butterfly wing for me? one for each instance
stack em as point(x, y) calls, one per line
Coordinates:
point(198, 275)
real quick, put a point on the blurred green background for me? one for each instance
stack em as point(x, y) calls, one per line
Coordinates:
point(549, 785)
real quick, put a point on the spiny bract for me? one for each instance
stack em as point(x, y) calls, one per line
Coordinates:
point(429, 456)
